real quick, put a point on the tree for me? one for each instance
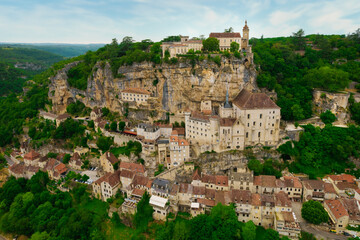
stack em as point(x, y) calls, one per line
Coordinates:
point(143, 214)
point(40, 236)
point(306, 236)
point(314, 212)
point(271, 234)
point(234, 46)
point(229, 30)
point(256, 166)
point(104, 143)
point(105, 111)
point(121, 126)
point(328, 117)
point(299, 40)
point(249, 231)
point(211, 44)
point(113, 126)
point(66, 158)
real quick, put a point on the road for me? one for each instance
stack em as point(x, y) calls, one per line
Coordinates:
point(318, 233)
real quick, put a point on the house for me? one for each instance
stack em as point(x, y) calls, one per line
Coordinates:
point(15, 156)
point(179, 151)
point(107, 186)
point(161, 207)
point(287, 225)
point(282, 202)
point(226, 38)
point(255, 213)
point(107, 162)
point(140, 182)
point(330, 192)
point(313, 190)
point(196, 209)
point(352, 207)
point(161, 187)
point(185, 195)
point(17, 170)
point(31, 158)
point(242, 200)
point(265, 184)
point(337, 213)
point(292, 186)
point(182, 47)
point(241, 178)
point(138, 95)
point(61, 118)
point(55, 169)
point(75, 161)
point(96, 113)
point(163, 152)
point(166, 130)
point(147, 131)
point(48, 116)
point(133, 167)
point(267, 210)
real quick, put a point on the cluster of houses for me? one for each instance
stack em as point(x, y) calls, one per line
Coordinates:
point(225, 40)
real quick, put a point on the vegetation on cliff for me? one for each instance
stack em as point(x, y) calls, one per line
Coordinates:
point(292, 68)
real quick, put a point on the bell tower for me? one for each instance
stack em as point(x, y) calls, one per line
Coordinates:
point(245, 38)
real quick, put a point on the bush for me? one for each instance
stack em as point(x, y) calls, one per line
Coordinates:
point(314, 212)
point(328, 117)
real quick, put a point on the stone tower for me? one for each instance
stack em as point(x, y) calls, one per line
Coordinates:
point(245, 38)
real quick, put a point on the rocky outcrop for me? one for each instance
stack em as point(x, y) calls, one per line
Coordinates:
point(173, 88)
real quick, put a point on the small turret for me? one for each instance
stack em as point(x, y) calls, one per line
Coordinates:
point(245, 38)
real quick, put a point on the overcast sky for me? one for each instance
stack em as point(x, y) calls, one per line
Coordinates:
point(98, 21)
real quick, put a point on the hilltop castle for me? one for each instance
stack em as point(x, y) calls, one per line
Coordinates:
point(225, 40)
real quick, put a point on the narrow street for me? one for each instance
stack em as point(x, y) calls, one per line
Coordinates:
point(318, 233)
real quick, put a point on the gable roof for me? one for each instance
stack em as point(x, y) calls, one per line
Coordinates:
point(63, 116)
point(134, 167)
point(126, 174)
point(32, 155)
point(225, 35)
point(248, 100)
point(336, 208)
point(227, 122)
point(111, 157)
point(136, 90)
point(265, 181)
point(60, 168)
point(196, 175)
point(343, 178)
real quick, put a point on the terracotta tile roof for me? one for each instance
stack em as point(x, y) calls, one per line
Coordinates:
point(248, 100)
point(32, 155)
point(352, 207)
point(336, 208)
point(220, 197)
point(222, 180)
point(174, 190)
point(174, 133)
point(139, 180)
point(227, 122)
point(51, 163)
point(288, 216)
point(225, 35)
point(280, 183)
point(314, 184)
point(63, 116)
point(138, 192)
point(114, 179)
point(60, 168)
point(180, 131)
point(103, 179)
point(134, 167)
point(267, 199)
point(196, 175)
point(199, 116)
point(209, 193)
point(292, 182)
point(206, 202)
point(17, 168)
point(256, 199)
point(149, 184)
point(282, 199)
point(180, 141)
point(199, 190)
point(60, 156)
point(32, 169)
point(127, 174)
point(343, 178)
point(111, 158)
point(241, 196)
point(265, 181)
point(75, 156)
point(185, 188)
point(346, 185)
point(210, 179)
point(329, 188)
point(136, 90)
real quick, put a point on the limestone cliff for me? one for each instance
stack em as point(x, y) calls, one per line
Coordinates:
point(174, 88)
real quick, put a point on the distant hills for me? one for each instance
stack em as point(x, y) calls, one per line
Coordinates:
point(65, 50)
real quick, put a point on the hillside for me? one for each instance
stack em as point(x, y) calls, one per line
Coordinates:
point(65, 50)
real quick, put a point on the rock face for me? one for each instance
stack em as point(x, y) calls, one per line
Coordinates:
point(173, 88)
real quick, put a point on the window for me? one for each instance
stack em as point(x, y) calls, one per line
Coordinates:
point(254, 123)
point(247, 135)
point(248, 116)
point(259, 134)
point(260, 115)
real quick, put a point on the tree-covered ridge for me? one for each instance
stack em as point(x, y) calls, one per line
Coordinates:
point(323, 151)
point(15, 55)
point(293, 66)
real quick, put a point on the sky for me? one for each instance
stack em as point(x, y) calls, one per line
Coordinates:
point(99, 21)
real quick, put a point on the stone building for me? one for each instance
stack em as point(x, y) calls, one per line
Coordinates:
point(179, 151)
point(182, 47)
point(226, 38)
point(250, 119)
point(107, 162)
point(137, 95)
point(241, 178)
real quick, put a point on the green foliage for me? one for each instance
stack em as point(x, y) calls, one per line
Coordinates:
point(217, 60)
point(143, 213)
point(234, 46)
point(52, 155)
point(10, 79)
point(211, 44)
point(113, 126)
point(172, 39)
point(121, 126)
point(298, 40)
point(131, 147)
point(91, 124)
point(159, 170)
point(306, 236)
point(66, 158)
point(354, 109)
point(314, 212)
point(76, 108)
point(269, 167)
point(43, 130)
point(105, 111)
point(328, 117)
point(104, 143)
point(323, 151)
point(68, 129)
point(249, 231)
point(78, 75)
